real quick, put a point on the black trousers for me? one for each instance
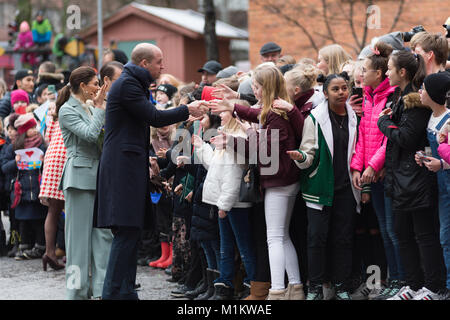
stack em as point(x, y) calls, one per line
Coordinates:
point(418, 237)
point(368, 246)
point(32, 232)
point(122, 265)
point(259, 235)
point(330, 240)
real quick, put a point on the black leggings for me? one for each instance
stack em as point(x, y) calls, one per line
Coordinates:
point(32, 232)
point(418, 237)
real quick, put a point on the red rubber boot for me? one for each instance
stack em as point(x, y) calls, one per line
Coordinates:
point(165, 250)
point(168, 261)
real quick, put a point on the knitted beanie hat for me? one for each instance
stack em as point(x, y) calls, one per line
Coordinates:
point(25, 122)
point(19, 95)
point(437, 86)
point(168, 89)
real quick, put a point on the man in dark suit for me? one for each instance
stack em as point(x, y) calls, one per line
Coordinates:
point(123, 176)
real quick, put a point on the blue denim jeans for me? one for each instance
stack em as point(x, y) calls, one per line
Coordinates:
point(383, 210)
point(236, 226)
point(444, 221)
point(211, 248)
point(444, 199)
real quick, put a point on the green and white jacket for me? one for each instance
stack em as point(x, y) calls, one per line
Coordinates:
point(317, 174)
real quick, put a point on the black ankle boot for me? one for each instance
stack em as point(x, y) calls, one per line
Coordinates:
point(222, 292)
point(211, 275)
point(201, 287)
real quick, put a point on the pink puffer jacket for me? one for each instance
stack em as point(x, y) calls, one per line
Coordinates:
point(371, 146)
point(444, 151)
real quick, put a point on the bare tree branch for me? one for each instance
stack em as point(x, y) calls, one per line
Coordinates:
point(366, 28)
point(275, 9)
point(332, 12)
point(345, 44)
point(397, 16)
point(325, 18)
point(351, 23)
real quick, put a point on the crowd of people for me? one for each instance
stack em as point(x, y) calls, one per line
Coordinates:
point(287, 182)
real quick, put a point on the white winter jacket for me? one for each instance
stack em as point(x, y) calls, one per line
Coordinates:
point(223, 180)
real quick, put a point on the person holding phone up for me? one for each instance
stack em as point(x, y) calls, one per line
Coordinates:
point(367, 164)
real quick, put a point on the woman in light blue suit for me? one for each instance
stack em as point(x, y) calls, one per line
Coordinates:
point(81, 108)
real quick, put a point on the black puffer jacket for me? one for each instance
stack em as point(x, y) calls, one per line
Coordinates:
point(204, 225)
point(410, 186)
point(29, 179)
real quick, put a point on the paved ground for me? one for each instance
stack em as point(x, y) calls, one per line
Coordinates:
point(25, 280)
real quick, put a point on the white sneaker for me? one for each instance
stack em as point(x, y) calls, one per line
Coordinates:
point(362, 293)
point(405, 293)
point(425, 294)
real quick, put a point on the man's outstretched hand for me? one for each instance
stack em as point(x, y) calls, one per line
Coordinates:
point(198, 108)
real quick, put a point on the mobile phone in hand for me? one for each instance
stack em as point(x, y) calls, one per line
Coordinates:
point(357, 91)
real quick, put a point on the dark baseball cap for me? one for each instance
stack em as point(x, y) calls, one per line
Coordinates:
point(269, 47)
point(20, 75)
point(212, 67)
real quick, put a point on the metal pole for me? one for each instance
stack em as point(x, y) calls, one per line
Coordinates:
point(100, 33)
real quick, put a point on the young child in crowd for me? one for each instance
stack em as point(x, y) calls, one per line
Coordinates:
point(164, 95)
point(29, 212)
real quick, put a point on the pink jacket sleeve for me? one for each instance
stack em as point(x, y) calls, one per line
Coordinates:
point(444, 151)
point(358, 157)
point(377, 160)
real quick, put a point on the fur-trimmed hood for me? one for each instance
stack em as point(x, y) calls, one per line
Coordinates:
point(412, 100)
point(47, 75)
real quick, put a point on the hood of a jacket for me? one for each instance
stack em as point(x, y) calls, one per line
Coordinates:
point(141, 74)
point(412, 100)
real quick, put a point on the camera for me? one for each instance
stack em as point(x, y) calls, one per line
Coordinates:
point(447, 27)
point(408, 35)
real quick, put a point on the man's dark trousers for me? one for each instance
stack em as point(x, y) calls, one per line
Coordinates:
point(122, 266)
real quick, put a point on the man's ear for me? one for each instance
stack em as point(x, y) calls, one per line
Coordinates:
point(143, 63)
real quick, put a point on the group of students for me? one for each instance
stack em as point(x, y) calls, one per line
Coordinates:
point(362, 178)
point(289, 188)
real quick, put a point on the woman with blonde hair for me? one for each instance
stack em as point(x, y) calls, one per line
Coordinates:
point(300, 83)
point(170, 79)
point(331, 58)
point(281, 185)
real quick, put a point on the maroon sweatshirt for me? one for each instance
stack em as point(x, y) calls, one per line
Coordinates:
point(287, 173)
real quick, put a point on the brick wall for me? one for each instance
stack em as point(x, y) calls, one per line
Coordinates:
point(267, 26)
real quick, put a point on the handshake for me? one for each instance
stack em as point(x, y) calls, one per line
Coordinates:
point(198, 108)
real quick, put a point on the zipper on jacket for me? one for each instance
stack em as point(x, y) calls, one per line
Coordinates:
point(211, 213)
point(31, 189)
